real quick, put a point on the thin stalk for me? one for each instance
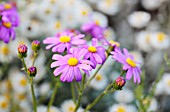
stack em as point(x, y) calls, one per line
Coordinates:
point(33, 95)
point(73, 93)
point(25, 66)
point(35, 56)
point(52, 97)
point(100, 96)
point(80, 92)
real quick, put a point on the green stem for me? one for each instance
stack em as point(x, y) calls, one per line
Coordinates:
point(100, 96)
point(35, 56)
point(25, 66)
point(33, 95)
point(80, 93)
point(73, 93)
point(52, 97)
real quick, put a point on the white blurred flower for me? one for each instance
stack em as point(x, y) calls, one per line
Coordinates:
point(153, 106)
point(100, 81)
point(18, 80)
point(160, 88)
point(166, 83)
point(138, 57)
point(151, 4)
point(4, 104)
point(109, 34)
point(43, 108)
point(82, 12)
point(44, 88)
point(5, 86)
point(99, 19)
point(122, 108)
point(54, 26)
point(139, 19)
point(69, 106)
point(143, 40)
point(6, 52)
point(124, 96)
point(110, 7)
point(160, 40)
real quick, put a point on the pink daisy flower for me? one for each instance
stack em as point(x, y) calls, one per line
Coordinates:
point(129, 64)
point(64, 40)
point(69, 66)
point(96, 54)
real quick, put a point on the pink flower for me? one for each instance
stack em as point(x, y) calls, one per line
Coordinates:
point(64, 40)
point(69, 66)
point(129, 64)
point(95, 53)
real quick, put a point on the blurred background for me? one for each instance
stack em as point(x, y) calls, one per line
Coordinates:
point(141, 26)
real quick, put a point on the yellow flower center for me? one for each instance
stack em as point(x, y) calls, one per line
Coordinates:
point(84, 12)
point(168, 82)
point(147, 38)
point(21, 96)
point(57, 25)
point(47, 11)
point(73, 61)
point(99, 77)
point(121, 109)
point(114, 42)
point(71, 109)
point(97, 22)
point(131, 62)
point(5, 50)
point(7, 24)
point(92, 49)
point(7, 6)
point(23, 82)
point(52, 1)
point(145, 101)
point(4, 105)
point(161, 37)
point(65, 39)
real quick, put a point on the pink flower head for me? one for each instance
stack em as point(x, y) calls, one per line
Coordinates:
point(64, 40)
point(9, 20)
point(69, 66)
point(95, 53)
point(94, 29)
point(129, 64)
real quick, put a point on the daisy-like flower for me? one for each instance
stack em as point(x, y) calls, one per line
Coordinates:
point(129, 64)
point(122, 108)
point(70, 65)
point(69, 106)
point(64, 41)
point(139, 19)
point(4, 104)
point(9, 20)
point(95, 53)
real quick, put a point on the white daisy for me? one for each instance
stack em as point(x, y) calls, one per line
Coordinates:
point(99, 19)
point(160, 41)
point(124, 96)
point(109, 34)
point(160, 89)
point(18, 80)
point(139, 19)
point(6, 51)
point(143, 40)
point(151, 4)
point(166, 83)
point(110, 7)
point(44, 88)
point(69, 106)
point(100, 81)
point(122, 108)
point(4, 104)
point(153, 106)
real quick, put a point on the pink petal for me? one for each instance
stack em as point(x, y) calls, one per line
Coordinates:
point(94, 41)
point(59, 70)
point(85, 67)
point(57, 57)
point(51, 40)
point(77, 74)
point(97, 58)
point(78, 42)
point(129, 74)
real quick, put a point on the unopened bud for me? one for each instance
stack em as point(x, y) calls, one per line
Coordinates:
point(36, 45)
point(22, 51)
point(119, 83)
point(32, 71)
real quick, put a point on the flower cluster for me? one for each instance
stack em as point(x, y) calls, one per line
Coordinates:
point(9, 20)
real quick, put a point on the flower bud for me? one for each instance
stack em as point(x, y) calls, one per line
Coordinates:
point(32, 71)
point(22, 51)
point(36, 45)
point(119, 83)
